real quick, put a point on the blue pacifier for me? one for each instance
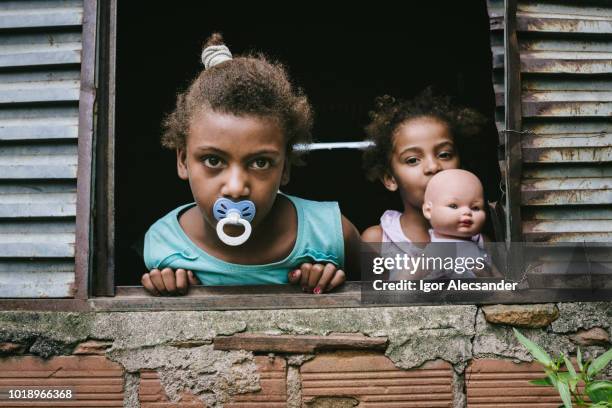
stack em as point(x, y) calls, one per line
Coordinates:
point(229, 212)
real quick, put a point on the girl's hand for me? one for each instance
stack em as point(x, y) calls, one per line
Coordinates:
point(317, 278)
point(168, 282)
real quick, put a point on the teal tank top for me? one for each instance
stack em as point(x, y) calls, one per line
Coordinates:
point(319, 239)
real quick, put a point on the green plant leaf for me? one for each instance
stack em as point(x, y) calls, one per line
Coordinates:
point(564, 376)
point(564, 392)
point(570, 367)
point(579, 359)
point(573, 377)
point(542, 382)
point(599, 391)
point(536, 351)
point(601, 405)
point(599, 363)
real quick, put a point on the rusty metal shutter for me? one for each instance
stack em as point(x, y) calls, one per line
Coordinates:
point(565, 50)
point(566, 68)
point(40, 55)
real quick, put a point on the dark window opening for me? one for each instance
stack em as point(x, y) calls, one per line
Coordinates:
point(342, 65)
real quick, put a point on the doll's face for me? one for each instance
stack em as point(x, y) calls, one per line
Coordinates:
point(235, 157)
point(454, 204)
point(422, 147)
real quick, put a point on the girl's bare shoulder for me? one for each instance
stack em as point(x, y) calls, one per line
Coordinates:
point(372, 234)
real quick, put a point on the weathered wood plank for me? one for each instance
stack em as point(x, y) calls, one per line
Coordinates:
point(568, 236)
point(7, 5)
point(575, 170)
point(49, 48)
point(297, 344)
point(567, 95)
point(43, 17)
point(561, 126)
point(567, 140)
point(567, 154)
point(567, 213)
point(566, 197)
point(568, 25)
point(26, 284)
point(47, 91)
point(38, 123)
point(552, 43)
point(567, 183)
point(38, 161)
point(45, 247)
point(37, 205)
point(38, 132)
point(39, 239)
point(567, 109)
point(32, 59)
point(532, 65)
point(290, 297)
point(572, 9)
point(568, 226)
point(36, 171)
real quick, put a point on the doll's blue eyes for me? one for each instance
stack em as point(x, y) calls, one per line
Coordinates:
point(454, 207)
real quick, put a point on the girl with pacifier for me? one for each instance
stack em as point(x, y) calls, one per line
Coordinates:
point(412, 141)
point(233, 131)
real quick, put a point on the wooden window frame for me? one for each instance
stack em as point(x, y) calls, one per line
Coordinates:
point(94, 252)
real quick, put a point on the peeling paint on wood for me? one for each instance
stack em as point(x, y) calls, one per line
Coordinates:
point(569, 24)
point(560, 66)
point(566, 197)
point(567, 155)
point(559, 170)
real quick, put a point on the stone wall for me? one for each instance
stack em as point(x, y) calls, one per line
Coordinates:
point(430, 356)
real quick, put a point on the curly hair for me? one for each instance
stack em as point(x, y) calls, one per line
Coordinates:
point(247, 85)
point(391, 113)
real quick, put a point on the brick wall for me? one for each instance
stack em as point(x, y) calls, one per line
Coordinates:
point(447, 356)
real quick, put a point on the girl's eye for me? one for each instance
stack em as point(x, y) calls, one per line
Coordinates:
point(213, 162)
point(453, 206)
point(445, 155)
point(475, 208)
point(412, 160)
point(261, 164)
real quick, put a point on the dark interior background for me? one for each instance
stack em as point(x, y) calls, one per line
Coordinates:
point(342, 64)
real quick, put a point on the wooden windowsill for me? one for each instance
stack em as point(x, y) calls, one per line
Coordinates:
point(230, 298)
point(135, 298)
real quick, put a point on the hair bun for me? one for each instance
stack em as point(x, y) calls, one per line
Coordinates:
point(215, 51)
point(215, 54)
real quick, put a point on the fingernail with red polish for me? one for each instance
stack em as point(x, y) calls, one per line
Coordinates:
point(317, 291)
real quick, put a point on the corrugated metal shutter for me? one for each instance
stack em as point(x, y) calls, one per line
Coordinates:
point(40, 55)
point(566, 78)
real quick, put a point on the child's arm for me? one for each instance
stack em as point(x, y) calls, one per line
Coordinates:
point(372, 234)
point(168, 281)
point(352, 250)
